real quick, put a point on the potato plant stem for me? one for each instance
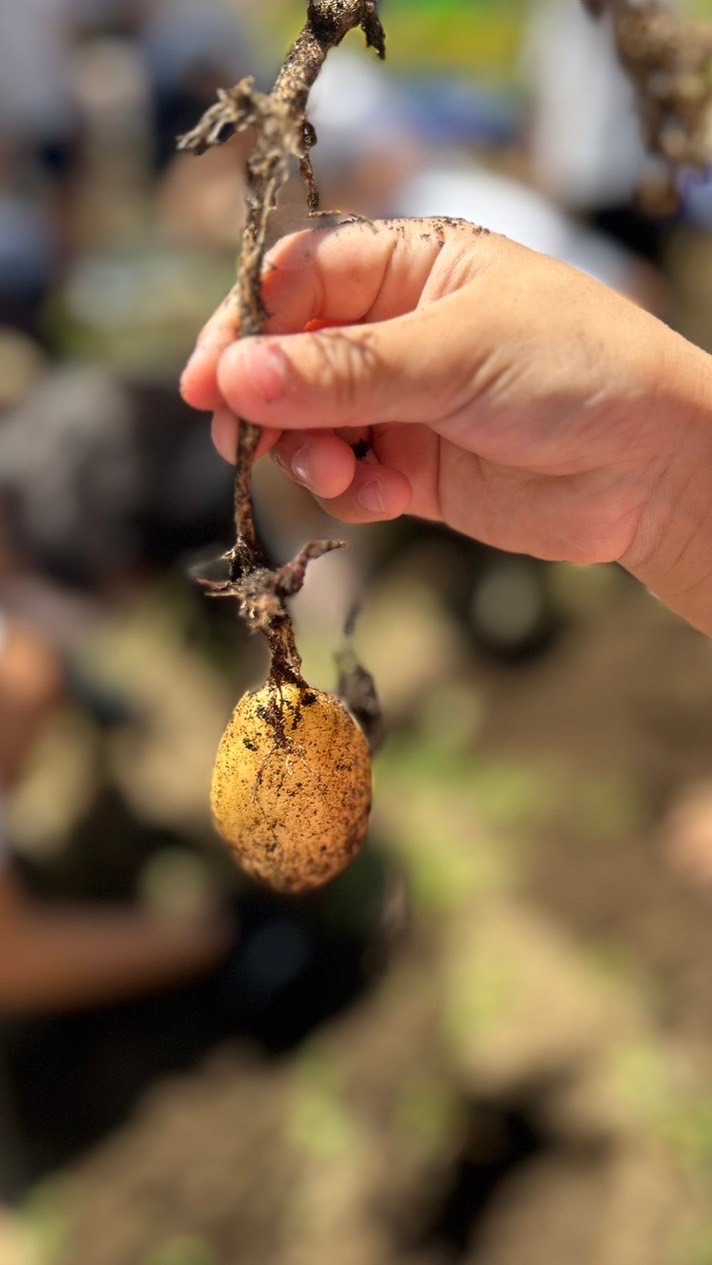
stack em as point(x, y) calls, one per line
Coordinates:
point(282, 134)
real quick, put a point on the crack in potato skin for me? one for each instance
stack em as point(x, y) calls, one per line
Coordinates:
point(291, 787)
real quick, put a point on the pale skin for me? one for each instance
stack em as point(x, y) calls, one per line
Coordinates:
point(501, 392)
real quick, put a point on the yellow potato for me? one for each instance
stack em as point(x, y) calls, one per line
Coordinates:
point(291, 788)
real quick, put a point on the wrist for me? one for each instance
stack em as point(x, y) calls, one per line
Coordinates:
point(671, 551)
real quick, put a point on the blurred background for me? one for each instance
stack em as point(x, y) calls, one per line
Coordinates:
point(491, 1040)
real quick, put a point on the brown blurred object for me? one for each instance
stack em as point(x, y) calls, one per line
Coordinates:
point(64, 955)
point(22, 364)
point(201, 204)
point(687, 833)
point(667, 60)
point(31, 683)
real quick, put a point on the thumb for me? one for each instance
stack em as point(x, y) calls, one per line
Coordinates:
point(412, 368)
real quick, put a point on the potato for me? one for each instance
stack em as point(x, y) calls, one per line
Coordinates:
point(291, 787)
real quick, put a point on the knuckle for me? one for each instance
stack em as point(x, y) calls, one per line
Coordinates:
point(344, 365)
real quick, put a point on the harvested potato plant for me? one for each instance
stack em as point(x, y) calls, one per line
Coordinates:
point(291, 789)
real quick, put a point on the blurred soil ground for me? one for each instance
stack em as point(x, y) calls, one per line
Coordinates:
point(490, 1042)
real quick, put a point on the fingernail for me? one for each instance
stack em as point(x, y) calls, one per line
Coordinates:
point(370, 497)
point(301, 466)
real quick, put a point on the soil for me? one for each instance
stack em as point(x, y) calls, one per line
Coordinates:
point(490, 1042)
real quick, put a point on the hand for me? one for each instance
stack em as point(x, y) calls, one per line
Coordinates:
point(500, 392)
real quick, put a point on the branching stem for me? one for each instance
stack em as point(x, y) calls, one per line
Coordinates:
point(282, 133)
point(667, 59)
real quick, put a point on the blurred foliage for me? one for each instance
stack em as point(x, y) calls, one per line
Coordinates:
point(45, 1218)
point(138, 310)
point(183, 1250)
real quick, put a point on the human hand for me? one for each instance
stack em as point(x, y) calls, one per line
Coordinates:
point(500, 392)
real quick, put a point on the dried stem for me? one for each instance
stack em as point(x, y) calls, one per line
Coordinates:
point(668, 61)
point(282, 133)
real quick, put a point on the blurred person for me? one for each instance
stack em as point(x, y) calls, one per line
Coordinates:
point(584, 135)
point(191, 48)
point(71, 471)
point(583, 138)
point(38, 113)
point(376, 155)
point(105, 482)
point(497, 391)
point(29, 251)
point(56, 957)
point(40, 143)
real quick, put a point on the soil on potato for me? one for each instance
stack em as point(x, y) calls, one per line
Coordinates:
point(490, 1042)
